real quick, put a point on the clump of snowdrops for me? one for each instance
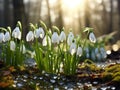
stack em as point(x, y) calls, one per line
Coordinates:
point(57, 52)
point(12, 46)
point(53, 50)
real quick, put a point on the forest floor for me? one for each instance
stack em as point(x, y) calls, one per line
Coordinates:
point(89, 76)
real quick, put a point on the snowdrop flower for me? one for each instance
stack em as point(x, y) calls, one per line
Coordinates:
point(1, 37)
point(44, 42)
point(42, 33)
point(87, 55)
point(70, 38)
point(98, 56)
point(62, 36)
point(16, 33)
point(29, 36)
point(23, 49)
point(93, 55)
point(92, 37)
point(102, 49)
point(73, 48)
point(103, 53)
point(39, 33)
point(79, 51)
point(86, 50)
point(12, 46)
point(55, 38)
point(7, 36)
point(96, 50)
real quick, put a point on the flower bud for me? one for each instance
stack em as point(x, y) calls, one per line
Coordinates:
point(23, 49)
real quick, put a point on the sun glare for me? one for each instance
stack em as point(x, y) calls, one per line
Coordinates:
point(72, 3)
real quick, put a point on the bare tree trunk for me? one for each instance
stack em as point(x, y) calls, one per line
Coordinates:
point(111, 17)
point(2, 13)
point(60, 18)
point(49, 15)
point(105, 22)
point(19, 13)
point(119, 15)
point(8, 16)
point(87, 21)
point(39, 9)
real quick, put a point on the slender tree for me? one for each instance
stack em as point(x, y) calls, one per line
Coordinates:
point(8, 13)
point(119, 14)
point(87, 21)
point(60, 15)
point(19, 13)
point(111, 17)
point(49, 15)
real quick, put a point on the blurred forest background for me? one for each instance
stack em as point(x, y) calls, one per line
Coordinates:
point(102, 15)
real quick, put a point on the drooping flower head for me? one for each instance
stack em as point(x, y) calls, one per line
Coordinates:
point(1, 37)
point(16, 33)
point(70, 38)
point(62, 36)
point(46, 41)
point(55, 38)
point(79, 51)
point(92, 37)
point(73, 48)
point(42, 33)
point(12, 45)
point(7, 36)
point(39, 33)
point(29, 36)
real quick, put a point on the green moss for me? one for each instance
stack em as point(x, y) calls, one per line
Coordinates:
point(107, 76)
point(112, 68)
point(116, 79)
point(116, 74)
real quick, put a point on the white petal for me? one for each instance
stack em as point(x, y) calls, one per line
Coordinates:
point(62, 36)
point(16, 33)
point(42, 33)
point(7, 37)
point(29, 36)
point(73, 48)
point(70, 38)
point(55, 38)
point(37, 33)
point(79, 51)
point(12, 46)
point(1, 37)
point(44, 42)
point(92, 37)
